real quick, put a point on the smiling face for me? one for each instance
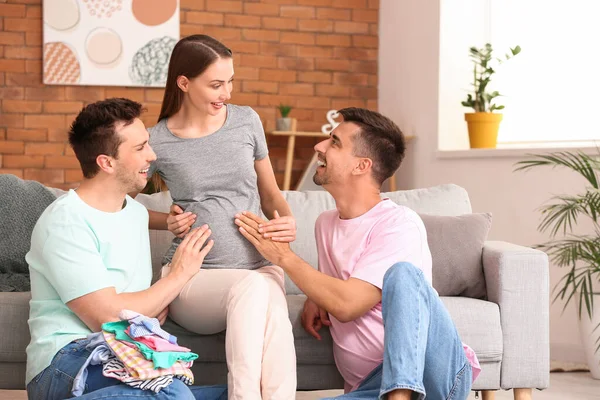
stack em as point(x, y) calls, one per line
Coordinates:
point(133, 157)
point(336, 159)
point(210, 90)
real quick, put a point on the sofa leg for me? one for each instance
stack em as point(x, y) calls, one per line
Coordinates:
point(522, 393)
point(488, 394)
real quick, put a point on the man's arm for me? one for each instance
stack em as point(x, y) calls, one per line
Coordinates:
point(104, 305)
point(345, 300)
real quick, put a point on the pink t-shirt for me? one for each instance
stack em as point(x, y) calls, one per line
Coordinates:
point(365, 248)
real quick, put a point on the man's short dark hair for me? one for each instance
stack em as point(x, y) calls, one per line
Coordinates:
point(379, 139)
point(94, 131)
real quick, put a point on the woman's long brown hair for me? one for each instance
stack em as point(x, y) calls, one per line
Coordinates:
point(191, 56)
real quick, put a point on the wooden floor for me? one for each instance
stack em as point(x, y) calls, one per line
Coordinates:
point(563, 386)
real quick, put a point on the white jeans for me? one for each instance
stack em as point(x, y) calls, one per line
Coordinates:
point(259, 342)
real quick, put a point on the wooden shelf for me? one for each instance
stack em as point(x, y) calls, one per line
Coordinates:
point(299, 133)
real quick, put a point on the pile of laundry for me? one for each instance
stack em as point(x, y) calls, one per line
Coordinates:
point(137, 352)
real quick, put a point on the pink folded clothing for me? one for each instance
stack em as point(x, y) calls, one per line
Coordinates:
point(472, 357)
point(157, 343)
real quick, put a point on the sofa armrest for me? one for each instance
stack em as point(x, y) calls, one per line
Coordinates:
point(517, 279)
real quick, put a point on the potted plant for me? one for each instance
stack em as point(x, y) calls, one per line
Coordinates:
point(578, 253)
point(284, 123)
point(483, 124)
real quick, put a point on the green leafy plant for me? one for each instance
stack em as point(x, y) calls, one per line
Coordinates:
point(579, 254)
point(284, 110)
point(483, 68)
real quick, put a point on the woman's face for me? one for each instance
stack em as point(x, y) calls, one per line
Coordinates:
point(212, 88)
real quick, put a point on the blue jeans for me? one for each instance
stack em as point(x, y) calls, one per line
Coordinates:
point(56, 382)
point(422, 349)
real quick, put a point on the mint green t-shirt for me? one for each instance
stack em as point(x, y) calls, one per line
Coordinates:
point(76, 250)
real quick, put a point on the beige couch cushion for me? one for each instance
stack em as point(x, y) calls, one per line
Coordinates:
point(14, 331)
point(456, 244)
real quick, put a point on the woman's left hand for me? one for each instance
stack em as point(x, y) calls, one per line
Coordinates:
point(279, 229)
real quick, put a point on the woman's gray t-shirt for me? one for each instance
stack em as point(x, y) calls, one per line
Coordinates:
point(214, 177)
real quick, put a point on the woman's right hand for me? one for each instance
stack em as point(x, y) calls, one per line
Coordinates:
point(190, 253)
point(179, 223)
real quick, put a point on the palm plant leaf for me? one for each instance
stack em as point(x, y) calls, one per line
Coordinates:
point(586, 294)
point(598, 338)
point(562, 214)
point(574, 248)
point(579, 254)
point(577, 282)
point(579, 162)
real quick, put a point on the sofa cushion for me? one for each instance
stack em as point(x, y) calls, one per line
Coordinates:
point(478, 324)
point(309, 350)
point(211, 348)
point(14, 331)
point(456, 244)
point(21, 204)
point(447, 199)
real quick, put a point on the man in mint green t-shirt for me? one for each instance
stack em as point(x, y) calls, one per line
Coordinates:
point(90, 258)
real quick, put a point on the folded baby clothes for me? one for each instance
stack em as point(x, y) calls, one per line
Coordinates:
point(95, 338)
point(115, 369)
point(134, 345)
point(99, 355)
point(157, 343)
point(161, 359)
point(138, 366)
point(144, 326)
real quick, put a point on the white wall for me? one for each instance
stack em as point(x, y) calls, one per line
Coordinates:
point(456, 71)
point(409, 93)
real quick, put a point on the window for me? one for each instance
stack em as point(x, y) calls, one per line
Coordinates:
point(551, 90)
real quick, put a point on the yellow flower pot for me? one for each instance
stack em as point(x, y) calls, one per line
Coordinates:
point(483, 129)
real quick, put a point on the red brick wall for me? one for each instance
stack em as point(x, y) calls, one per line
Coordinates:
point(312, 54)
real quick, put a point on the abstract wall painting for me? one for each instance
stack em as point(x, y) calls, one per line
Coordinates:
point(109, 42)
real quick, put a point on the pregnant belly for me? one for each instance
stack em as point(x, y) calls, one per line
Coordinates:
point(230, 249)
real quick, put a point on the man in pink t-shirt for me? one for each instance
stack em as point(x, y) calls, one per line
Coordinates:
point(392, 335)
point(365, 248)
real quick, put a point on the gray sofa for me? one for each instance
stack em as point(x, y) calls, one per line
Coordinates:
point(507, 326)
